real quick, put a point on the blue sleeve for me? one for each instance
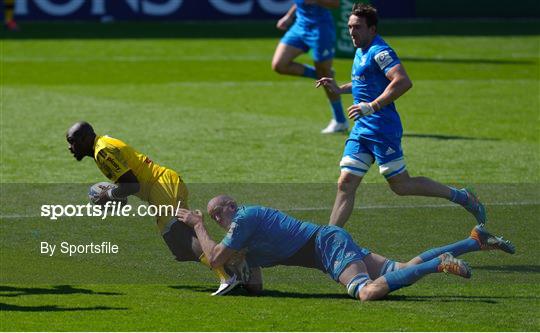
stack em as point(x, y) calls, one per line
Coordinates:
point(241, 229)
point(385, 58)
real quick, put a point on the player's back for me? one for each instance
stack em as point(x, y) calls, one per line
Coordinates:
point(312, 14)
point(269, 234)
point(114, 158)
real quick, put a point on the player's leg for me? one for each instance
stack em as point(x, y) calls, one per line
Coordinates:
point(407, 276)
point(290, 47)
point(360, 286)
point(342, 258)
point(321, 41)
point(479, 240)
point(254, 285)
point(389, 156)
point(338, 123)
point(354, 164)
point(9, 20)
point(283, 62)
point(181, 239)
point(403, 184)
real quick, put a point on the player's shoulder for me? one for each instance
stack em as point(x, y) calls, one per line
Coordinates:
point(105, 145)
point(382, 54)
point(379, 45)
point(107, 142)
point(249, 211)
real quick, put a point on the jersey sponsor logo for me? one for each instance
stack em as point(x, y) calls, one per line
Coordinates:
point(390, 151)
point(358, 78)
point(383, 59)
point(113, 162)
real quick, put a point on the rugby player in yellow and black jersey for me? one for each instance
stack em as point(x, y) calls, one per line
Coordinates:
point(136, 174)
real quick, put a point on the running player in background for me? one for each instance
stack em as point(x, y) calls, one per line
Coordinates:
point(378, 79)
point(313, 29)
point(9, 19)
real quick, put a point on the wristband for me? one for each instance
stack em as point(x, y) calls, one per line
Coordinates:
point(375, 105)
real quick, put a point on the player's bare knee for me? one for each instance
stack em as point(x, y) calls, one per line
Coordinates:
point(347, 183)
point(279, 66)
point(369, 293)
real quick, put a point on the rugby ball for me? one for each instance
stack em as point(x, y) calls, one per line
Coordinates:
point(94, 192)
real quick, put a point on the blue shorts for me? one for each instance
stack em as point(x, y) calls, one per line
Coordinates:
point(319, 38)
point(360, 152)
point(336, 249)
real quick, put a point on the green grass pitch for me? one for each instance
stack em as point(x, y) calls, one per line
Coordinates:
point(212, 109)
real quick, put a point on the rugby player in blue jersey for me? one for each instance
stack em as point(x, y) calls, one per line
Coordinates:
point(378, 78)
point(313, 29)
point(269, 237)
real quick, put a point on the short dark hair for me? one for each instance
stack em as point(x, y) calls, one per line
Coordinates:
point(366, 11)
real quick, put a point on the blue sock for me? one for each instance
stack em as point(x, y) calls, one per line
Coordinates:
point(337, 110)
point(459, 196)
point(457, 249)
point(309, 71)
point(407, 276)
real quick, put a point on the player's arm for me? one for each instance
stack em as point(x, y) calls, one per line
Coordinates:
point(399, 84)
point(331, 85)
point(329, 4)
point(285, 22)
point(128, 184)
point(119, 172)
point(217, 254)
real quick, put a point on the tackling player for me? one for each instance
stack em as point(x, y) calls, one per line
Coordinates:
point(378, 79)
point(313, 29)
point(270, 237)
point(136, 174)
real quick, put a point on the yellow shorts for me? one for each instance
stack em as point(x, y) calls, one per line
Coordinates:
point(168, 190)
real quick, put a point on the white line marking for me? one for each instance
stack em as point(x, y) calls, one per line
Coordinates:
point(524, 203)
point(135, 59)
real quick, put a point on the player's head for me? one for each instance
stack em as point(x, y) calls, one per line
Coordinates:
point(362, 24)
point(222, 209)
point(80, 137)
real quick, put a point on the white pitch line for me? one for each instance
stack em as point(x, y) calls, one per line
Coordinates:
point(524, 203)
point(135, 59)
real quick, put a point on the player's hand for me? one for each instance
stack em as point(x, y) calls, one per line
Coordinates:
point(103, 197)
point(329, 84)
point(191, 218)
point(362, 109)
point(284, 23)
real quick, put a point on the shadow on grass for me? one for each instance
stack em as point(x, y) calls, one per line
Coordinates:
point(265, 293)
point(469, 61)
point(52, 308)
point(511, 268)
point(8, 291)
point(446, 137)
